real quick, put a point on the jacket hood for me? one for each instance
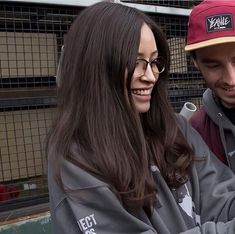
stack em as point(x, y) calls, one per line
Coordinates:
point(215, 112)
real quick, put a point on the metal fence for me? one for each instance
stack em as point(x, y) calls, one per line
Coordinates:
point(31, 36)
point(169, 3)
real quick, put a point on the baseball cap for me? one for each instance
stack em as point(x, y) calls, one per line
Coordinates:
point(210, 23)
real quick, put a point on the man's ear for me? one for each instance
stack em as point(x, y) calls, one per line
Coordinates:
point(195, 63)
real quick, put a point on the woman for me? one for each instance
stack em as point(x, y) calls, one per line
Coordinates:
point(120, 160)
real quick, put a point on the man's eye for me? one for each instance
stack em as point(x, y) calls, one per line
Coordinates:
point(213, 65)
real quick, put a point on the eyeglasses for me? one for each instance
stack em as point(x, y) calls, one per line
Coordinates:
point(157, 65)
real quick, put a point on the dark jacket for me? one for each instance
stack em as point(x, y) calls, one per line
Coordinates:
point(216, 129)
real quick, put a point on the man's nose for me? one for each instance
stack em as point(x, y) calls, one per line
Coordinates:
point(230, 75)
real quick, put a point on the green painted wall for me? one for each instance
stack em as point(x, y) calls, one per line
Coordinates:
point(32, 225)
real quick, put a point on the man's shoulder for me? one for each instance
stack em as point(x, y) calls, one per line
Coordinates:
point(199, 118)
point(202, 122)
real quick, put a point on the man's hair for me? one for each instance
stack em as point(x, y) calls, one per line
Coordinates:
point(193, 54)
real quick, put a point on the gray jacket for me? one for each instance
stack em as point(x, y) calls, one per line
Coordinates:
point(205, 204)
point(216, 129)
point(226, 128)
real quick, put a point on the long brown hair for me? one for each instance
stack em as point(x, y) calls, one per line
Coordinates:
point(97, 129)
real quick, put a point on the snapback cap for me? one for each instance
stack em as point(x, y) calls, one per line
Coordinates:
point(211, 22)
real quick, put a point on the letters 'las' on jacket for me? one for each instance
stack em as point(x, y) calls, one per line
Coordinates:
point(205, 204)
point(216, 129)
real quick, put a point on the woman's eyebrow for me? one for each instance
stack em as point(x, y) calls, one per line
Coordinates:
point(153, 53)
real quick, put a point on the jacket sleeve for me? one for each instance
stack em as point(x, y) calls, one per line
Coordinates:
point(97, 210)
point(213, 181)
point(90, 207)
point(212, 228)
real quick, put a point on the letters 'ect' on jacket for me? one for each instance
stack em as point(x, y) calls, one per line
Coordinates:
point(216, 129)
point(205, 204)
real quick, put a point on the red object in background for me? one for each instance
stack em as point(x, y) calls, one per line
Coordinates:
point(7, 192)
point(3, 192)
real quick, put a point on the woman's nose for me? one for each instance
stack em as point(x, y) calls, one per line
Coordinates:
point(149, 76)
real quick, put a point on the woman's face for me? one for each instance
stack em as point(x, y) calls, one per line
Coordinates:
point(143, 81)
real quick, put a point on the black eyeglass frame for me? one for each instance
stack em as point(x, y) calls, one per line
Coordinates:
point(156, 61)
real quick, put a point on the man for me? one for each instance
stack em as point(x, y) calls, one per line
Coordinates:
point(211, 42)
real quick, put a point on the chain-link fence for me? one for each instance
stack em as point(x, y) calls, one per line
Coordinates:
point(31, 36)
